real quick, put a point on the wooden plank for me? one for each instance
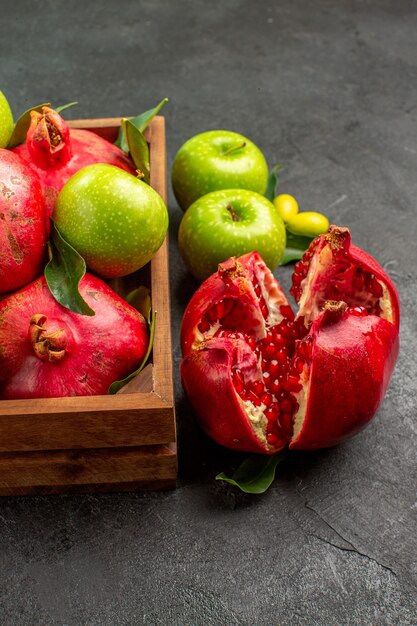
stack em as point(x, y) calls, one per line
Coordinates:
point(149, 467)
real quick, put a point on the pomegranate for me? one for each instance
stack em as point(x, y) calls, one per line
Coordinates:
point(260, 378)
point(56, 152)
point(48, 351)
point(23, 223)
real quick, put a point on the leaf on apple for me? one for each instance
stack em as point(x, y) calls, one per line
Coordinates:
point(22, 125)
point(295, 248)
point(256, 474)
point(118, 384)
point(63, 273)
point(272, 184)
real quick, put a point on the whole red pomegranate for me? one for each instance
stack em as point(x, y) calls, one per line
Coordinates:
point(48, 351)
point(56, 152)
point(23, 223)
point(260, 378)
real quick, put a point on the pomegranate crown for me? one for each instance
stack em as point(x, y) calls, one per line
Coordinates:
point(48, 138)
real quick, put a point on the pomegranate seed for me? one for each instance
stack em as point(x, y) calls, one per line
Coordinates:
point(272, 367)
point(305, 349)
point(254, 398)
point(286, 423)
point(266, 398)
point(275, 387)
point(257, 387)
point(286, 311)
point(286, 405)
point(359, 311)
point(299, 365)
point(251, 341)
point(272, 439)
point(258, 290)
point(292, 383)
point(272, 412)
point(282, 356)
point(269, 337)
point(269, 351)
point(279, 340)
point(204, 325)
point(375, 287)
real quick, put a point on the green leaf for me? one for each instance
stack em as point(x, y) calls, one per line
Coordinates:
point(295, 248)
point(22, 125)
point(141, 122)
point(65, 106)
point(273, 178)
point(256, 474)
point(140, 299)
point(144, 119)
point(138, 149)
point(63, 273)
point(118, 384)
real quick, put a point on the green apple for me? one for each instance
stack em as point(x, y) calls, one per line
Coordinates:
point(114, 220)
point(6, 121)
point(217, 159)
point(226, 223)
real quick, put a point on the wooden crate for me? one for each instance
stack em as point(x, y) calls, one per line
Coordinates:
point(103, 443)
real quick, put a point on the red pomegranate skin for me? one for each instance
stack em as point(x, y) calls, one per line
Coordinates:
point(23, 223)
point(207, 381)
point(56, 152)
point(352, 361)
point(331, 373)
point(48, 351)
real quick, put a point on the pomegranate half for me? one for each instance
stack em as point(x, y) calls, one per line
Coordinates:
point(46, 351)
point(260, 378)
point(23, 223)
point(56, 152)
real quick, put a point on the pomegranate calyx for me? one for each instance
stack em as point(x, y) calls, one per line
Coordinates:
point(333, 311)
point(47, 346)
point(231, 268)
point(48, 138)
point(338, 237)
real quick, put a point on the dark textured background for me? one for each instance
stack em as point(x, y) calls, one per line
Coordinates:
point(328, 89)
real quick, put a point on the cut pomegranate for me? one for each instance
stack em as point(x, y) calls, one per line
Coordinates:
point(260, 379)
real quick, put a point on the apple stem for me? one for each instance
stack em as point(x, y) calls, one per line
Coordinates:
point(235, 217)
point(234, 148)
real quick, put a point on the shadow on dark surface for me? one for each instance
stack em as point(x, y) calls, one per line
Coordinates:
point(201, 459)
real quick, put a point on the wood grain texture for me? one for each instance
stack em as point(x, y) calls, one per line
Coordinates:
point(138, 422)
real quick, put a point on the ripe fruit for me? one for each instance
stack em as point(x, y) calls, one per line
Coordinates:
point(57, 152)
point(114, 220)
point(260, 379)
point(286, 205)
point(6, 121)
point(307, 224)
point(23, 223)
point(47, 351)
point(227, 223)
point(217, 159)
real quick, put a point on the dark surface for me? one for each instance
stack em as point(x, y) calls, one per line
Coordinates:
point(328, 90)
